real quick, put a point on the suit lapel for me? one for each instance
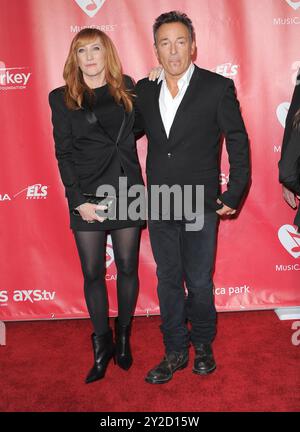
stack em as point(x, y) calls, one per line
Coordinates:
point(156, 110)
point(183, 107)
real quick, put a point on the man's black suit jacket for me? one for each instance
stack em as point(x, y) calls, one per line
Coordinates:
point(294, 106)
point(191, 154)
point(290, 151)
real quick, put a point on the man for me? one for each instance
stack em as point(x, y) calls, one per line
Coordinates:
point(184, 114)
point(288, 195)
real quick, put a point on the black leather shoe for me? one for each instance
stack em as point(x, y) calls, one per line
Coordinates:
point(204, 362)
point(104, 350)
point(123, 351)
point(164, 371)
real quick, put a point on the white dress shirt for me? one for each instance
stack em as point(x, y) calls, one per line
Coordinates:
point(167, 104)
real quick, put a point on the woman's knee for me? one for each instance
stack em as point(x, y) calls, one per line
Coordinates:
point(92, 274)
point(126, 266)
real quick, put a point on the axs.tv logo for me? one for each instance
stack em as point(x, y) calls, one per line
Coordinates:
point(31, 296)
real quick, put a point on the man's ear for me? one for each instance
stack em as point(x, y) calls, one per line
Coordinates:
point(155, 50)
point(193, 47)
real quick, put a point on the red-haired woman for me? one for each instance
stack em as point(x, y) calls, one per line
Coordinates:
point(93, 118)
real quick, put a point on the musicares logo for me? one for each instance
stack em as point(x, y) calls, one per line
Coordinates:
point(294, 4)
point(282, 111)
point(109, 252)
point(290, 240)
point(90, 7)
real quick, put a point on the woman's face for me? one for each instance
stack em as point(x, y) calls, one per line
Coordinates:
point(91, 58)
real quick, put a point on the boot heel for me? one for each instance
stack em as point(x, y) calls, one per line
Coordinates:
point(123, 351)
point(184, 365)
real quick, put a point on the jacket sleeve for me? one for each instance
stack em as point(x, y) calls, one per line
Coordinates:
point(139, 128)
point(62, 133)
point(289, 164)
point(232, 126)
point(294, 106)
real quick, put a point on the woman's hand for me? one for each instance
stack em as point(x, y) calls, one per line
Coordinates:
point(87, 212)
point(154, 73)
point(289, 197)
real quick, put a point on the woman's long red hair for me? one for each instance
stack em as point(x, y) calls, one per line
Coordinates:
point(75, 85)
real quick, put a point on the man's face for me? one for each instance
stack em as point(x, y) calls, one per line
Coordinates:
point(174, 48)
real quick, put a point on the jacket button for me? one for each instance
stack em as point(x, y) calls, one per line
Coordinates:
point(169, 155)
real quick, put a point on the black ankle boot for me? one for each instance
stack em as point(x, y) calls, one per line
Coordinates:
point(204, 362)
point(123, 351)
point(104, 350)
point(163, 373)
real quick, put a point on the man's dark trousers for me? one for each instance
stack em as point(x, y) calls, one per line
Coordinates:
point(185, 256)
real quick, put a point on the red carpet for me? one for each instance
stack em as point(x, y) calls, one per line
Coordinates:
point(44, 364)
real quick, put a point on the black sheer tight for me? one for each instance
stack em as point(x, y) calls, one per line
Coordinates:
point(91, 249)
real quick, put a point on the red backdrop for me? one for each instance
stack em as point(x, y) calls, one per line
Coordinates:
point(254, 42)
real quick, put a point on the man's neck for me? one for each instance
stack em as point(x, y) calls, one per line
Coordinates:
point(172, 84)
point(172, 81)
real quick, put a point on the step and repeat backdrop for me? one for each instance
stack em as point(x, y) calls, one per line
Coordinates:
point(254, 42)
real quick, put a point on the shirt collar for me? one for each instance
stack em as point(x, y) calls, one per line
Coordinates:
point(186, 78)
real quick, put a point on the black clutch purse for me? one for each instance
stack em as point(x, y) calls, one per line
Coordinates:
point(109, 201)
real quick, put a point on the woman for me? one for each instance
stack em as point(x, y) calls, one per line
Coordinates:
point(93, 118)
point(289, 164)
